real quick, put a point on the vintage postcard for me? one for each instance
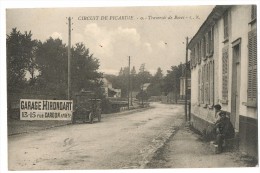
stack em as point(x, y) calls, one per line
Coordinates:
point(131, 87)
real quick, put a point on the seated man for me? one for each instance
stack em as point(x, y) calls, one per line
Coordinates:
point(224, 128)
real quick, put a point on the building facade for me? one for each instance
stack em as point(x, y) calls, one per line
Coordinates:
point(183, 87)
point(223, 55)
point(109, 91)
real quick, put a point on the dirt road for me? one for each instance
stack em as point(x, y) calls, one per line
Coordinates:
point(118, 141)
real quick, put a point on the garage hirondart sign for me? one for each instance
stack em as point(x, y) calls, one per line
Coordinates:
point(32, 109)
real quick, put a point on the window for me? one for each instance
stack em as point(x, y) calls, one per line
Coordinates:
point(195, 56)
point(206, 84)
point(202, 85)
point(191, 60)
point(197, 52)
point(204, 48)
point(225, 73)
point(207, 44)
point(206, 88)
point(199, 85)
point(211, 83)
point(211, 47)
point(253, 12)
point(209, 40)
point(200, 52)
point(226, 22)
point(252, 66)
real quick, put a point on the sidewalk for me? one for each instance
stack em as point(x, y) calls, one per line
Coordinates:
point(187, 149)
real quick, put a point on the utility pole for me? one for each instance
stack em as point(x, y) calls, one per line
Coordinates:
point(142, 88)
point(131, 89)
point(69, 47)
point(186, 79)
point(128, 93)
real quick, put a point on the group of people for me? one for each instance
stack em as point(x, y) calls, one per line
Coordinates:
point(223, 128)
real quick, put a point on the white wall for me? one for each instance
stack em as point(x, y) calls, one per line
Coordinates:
point(240, 16)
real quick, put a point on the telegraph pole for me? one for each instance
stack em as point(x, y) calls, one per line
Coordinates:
point(131, 89)
point(69, 47)
point(186, 79)
point(142, 88)
point(129, 80)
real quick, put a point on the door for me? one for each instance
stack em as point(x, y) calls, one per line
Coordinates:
point(236, 78)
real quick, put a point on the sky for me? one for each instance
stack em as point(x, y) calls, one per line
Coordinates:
point(154, 36)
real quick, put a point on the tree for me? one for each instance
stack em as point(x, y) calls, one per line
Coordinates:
point(171, 82)
point(155, 89)
point(133, 71)
point(143, 76)
point(32, 66)
point(52, 60)
point(84, 70)
point(122, 81)
point(20, 59)
point(158, 75)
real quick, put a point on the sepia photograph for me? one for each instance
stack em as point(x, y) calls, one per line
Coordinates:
point(130, 87)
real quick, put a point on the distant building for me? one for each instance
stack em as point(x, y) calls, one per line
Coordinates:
point(109, 90)
point(182, 88)
point(183, 83)
point(224, 71)
point(145, 86)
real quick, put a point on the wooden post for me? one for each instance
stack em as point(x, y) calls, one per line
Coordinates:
point(69, 47)
point(186, 79)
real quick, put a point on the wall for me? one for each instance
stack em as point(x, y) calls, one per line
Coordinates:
point(246, 121)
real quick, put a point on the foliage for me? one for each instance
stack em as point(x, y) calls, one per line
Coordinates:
point(84, 70)
point(20, 55)
point(155, 89)
point(42, 67)
point(171, 82)
point(51, 57)
point(142, 96)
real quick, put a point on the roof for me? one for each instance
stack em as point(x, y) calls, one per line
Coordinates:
point(146, 85)
point(215, 15)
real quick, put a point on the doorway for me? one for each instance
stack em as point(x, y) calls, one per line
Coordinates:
point(236, 79)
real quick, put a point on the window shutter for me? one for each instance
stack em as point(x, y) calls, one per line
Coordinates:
point(226, 26)
point(225, 73)
point(202, 48)
point(191, 60)
point(207, 45)
point(192, 55)
point(252, 66)
point(212, 40)
point(199, 52)
point(202, 86)
point(199, 85)
point(207, 84)
point(195, 55)
point(209, 42)
point(211, 82)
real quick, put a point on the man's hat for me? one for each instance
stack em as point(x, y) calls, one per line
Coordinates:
point(217, 107)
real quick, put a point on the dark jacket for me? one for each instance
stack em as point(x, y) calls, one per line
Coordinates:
point(225, 127)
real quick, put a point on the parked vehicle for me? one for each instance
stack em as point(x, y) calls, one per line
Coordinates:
point(87, 108)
